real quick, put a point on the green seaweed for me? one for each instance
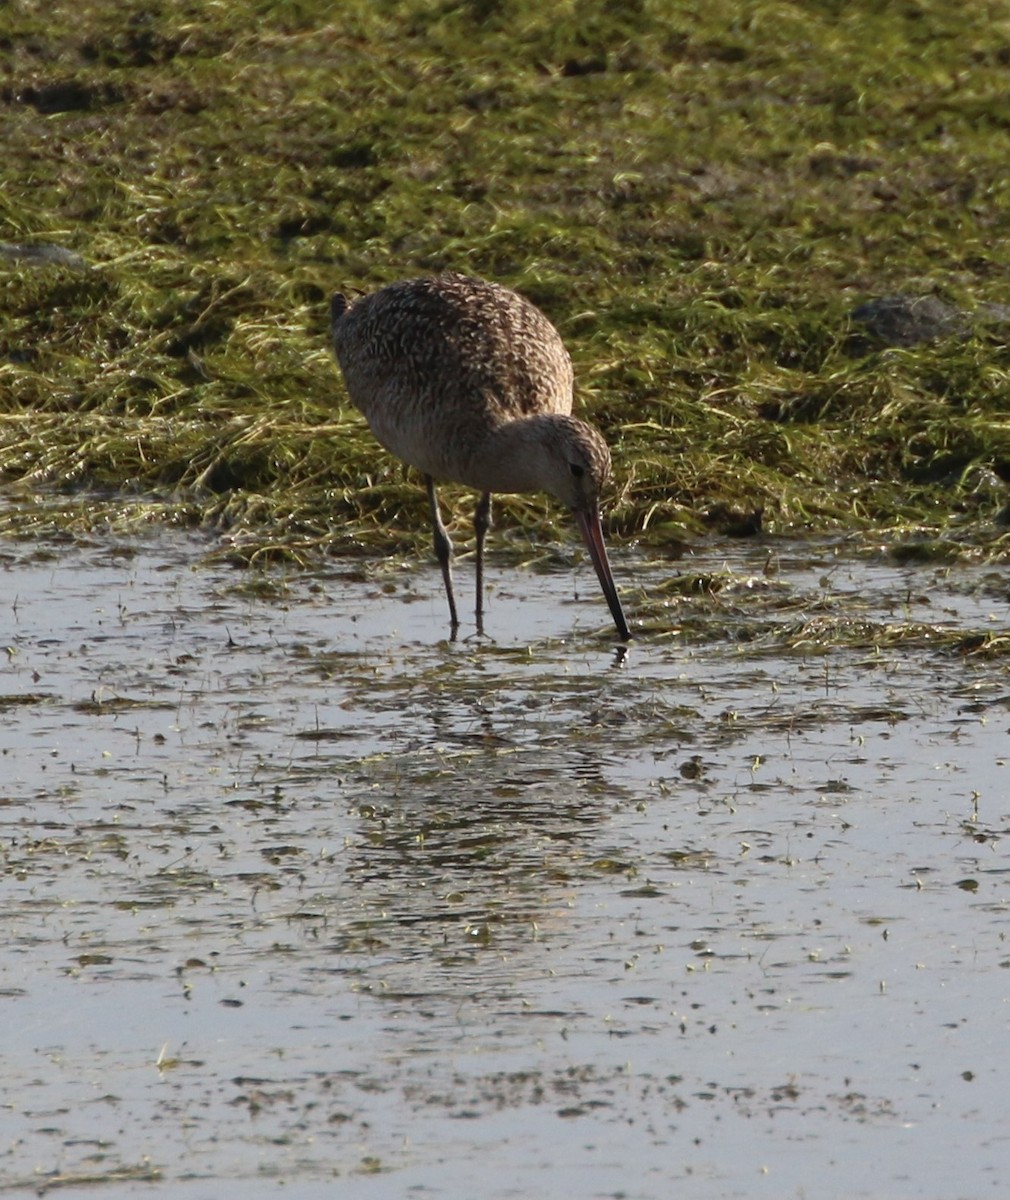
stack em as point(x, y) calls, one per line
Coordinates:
point(697, 194)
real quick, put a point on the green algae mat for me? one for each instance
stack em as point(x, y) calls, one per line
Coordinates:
point(700, 195)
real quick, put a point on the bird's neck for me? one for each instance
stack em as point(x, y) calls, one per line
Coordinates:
point(510, 459)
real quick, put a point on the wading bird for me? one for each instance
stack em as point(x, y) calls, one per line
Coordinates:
point(468, 381)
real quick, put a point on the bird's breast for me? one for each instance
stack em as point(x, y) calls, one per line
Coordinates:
point(407, 430)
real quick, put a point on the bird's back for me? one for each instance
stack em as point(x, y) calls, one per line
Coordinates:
point(437, 363)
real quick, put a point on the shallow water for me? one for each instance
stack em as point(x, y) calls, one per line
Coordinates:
point(297, 891)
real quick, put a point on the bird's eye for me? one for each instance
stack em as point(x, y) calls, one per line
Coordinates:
point(577, 470)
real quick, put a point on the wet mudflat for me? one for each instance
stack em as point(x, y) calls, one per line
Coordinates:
point(295, 891)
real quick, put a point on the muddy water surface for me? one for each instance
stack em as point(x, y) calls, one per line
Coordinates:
point(297, 895)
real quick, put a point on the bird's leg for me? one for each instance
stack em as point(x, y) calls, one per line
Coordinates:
point(481, 524)
point(443, 550)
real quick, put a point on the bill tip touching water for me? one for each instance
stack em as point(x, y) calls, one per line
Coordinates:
point(468, 381)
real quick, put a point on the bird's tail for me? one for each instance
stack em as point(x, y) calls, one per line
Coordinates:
point(338, 306)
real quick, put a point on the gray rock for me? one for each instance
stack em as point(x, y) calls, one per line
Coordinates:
point(41, 255)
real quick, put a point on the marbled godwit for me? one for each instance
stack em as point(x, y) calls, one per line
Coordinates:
point(468, 381)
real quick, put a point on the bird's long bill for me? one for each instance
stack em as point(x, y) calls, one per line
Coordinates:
point(589, 526)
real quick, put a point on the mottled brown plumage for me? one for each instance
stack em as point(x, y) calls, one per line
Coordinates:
point(469, 381)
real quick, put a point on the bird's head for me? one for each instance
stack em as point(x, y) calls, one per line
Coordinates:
point(576, 471)
point(577, 463)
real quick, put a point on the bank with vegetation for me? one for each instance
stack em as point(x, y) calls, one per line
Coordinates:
point(700, 195)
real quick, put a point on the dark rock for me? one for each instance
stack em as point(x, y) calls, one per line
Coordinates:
point(732, 521)
point(911, 320)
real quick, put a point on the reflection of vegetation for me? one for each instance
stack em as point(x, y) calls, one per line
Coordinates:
point(697, 194)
